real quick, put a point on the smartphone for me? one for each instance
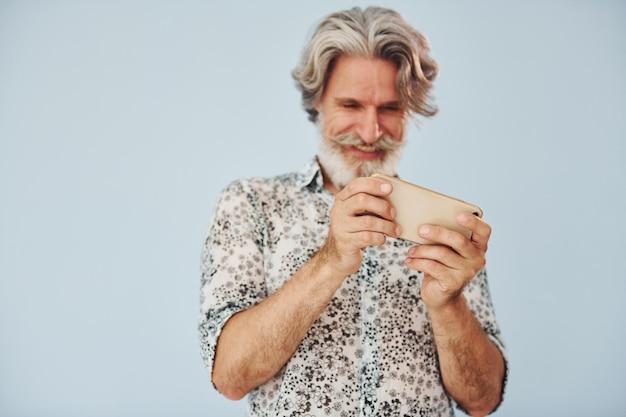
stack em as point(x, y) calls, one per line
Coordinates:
point(417, 205)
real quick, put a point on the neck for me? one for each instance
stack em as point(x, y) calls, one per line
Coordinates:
point(328, 184)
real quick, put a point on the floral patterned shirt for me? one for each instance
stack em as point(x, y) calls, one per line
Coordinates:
point(371, 352)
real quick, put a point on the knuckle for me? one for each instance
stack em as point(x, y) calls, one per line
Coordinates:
point(430, 266)
point(463, 243)
point(349, 189)
point(372, 239)
point(390, 229)
point(367, 222)
point(360, 199)
point(476, 267)
point(482, 263)
point(446, 255)
point(379, 239)
point(436, 268)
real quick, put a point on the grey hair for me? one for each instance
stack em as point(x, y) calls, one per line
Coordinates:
point(372, 33)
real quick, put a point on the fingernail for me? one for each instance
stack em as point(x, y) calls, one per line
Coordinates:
point(393, 213)
point(424, 230)
point(398, 230)
point(385, 188)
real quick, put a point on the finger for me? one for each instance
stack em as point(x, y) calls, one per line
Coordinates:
point(367, 185)
point(442, 236)
point(451, 239)
point(363, 239)
point(362, 217)
point(452, 279)
point(377, 224)
point(443, 265)
point(438, 253)
point(481, 231)
point(365, 196)
point(427, 266)
point(366, 204)
point(367, 230)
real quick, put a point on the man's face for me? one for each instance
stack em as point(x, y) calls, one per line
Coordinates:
point(361, 121)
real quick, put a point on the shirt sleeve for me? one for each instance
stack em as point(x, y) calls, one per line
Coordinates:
point(232, 273)
point(479, 301)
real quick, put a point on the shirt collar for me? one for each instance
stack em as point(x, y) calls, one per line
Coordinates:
point(311, 176)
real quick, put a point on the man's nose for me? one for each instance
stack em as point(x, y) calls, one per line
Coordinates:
point(369, 128)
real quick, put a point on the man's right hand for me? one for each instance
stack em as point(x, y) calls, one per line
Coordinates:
point(274, 328)
point(360, 217)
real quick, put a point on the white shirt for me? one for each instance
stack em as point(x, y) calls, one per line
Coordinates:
point(371, 352)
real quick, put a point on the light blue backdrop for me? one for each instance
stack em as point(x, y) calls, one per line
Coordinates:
point(120, 121)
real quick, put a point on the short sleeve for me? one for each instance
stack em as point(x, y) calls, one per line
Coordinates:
point(232, 273)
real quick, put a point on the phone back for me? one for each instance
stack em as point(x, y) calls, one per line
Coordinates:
point(417, 205)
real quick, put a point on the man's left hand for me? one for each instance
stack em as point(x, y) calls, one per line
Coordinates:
point(452, 262)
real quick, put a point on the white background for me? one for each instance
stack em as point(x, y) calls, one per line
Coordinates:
point(120, 121)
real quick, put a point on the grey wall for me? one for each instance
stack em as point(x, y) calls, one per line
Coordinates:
point(121, 121)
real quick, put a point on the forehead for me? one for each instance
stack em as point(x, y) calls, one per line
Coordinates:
point(363, 78)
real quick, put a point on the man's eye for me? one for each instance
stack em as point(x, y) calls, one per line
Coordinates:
point(350, 105)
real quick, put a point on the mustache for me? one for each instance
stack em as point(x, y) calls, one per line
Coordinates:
point(384, 143)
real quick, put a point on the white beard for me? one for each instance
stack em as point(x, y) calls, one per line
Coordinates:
point(340, 170)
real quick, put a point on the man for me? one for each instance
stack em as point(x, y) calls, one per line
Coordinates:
point(311, 304)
